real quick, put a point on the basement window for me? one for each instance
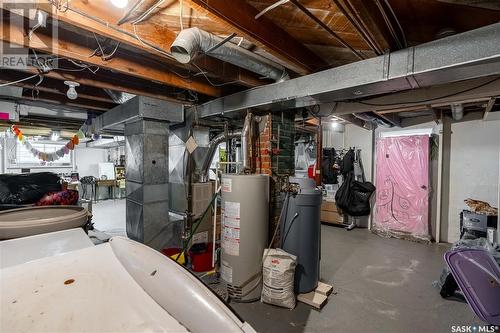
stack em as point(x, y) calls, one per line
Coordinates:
point(25, 159)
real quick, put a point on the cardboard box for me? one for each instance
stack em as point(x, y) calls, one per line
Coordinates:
point(329, 206)
point(331, 217)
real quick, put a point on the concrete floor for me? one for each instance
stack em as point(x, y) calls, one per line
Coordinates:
point(380, 285)
point(109, 216)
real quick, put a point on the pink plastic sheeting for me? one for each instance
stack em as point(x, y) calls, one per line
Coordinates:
point(402, 182)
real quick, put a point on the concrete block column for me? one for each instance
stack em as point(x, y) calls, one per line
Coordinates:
point(147, 182)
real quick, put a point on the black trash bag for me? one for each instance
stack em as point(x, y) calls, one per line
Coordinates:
point(342, 195)
point(353, 197)
point(24, 189)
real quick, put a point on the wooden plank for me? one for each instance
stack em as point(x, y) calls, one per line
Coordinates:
point(370, 20)
point(14, 34)
point(240, 16)
point(99, 17)
point(392, 118)
point(313, 299)
point(324, 288)
point(50, 86)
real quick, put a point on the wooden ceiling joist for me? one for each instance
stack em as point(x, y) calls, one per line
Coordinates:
point(240, 17)
point(98, 81)
point(50, 85)
point(150, 38)
point(367, 19)
point(14, 34)
point(81, 103)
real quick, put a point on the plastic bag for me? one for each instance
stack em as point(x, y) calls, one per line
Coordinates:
point(27, 188)
point(278, 277)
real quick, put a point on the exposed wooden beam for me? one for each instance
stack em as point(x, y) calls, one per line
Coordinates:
point(488, 107)
point(369, 19)
point(117, 85)
point(50, 86)
point(14, 34)
point(88, 104)
point(240, 16)
point(392, 118)
point(150, 38)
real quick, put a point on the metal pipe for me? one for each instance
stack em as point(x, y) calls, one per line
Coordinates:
point(327, 28)
point(190, 42)
point(457, 111)
point(214, 143)
point(246, 141)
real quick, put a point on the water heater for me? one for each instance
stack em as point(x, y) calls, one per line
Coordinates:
point(245, 219)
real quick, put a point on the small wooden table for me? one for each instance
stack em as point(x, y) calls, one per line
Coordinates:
point(110, 184)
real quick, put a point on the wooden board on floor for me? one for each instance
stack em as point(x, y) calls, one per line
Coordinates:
point(313, 299)
point(318, 297)
point(324, 288)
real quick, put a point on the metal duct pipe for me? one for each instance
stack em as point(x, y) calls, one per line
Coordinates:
point(464, 56)
point(214, 143)
point(192, 41)
point(372, 118)
point(246, 141)
point(457, 111)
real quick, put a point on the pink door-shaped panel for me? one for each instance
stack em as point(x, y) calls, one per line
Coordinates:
point(402, 182)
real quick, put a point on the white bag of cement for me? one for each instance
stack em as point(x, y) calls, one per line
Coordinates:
point(278, 276)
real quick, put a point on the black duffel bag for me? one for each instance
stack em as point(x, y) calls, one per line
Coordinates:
point(353, 197)
point(22, 189)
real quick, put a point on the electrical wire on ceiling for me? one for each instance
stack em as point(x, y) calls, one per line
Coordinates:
point(104, 56)
point(148, 12)
point(364, 102)
point(213, 84)
point(136, 36)
point(19, 81)
point(315, 110)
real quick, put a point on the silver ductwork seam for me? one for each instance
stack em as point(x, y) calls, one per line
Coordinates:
point(193, 41)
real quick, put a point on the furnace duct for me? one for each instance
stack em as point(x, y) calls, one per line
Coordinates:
point(193, 41)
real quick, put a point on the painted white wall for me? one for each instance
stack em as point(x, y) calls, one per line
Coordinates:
point(333, 137)
point(355, 136)
point(87, 160)
point(474, 170)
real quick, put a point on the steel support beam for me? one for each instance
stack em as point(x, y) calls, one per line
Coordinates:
point(469, 55)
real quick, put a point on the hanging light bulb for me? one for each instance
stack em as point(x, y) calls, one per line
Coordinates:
point(71, 93)
point(55, 135)
point(119, 3)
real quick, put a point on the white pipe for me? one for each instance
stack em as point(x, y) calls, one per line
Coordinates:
point(246, 141)
point(457, 111)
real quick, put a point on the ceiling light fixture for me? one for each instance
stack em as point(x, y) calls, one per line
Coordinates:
point(71, 93)
point(55, 136)
point(119, 3)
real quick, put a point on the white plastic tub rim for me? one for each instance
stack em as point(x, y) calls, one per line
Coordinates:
point(29, 221)
point(185, 297)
